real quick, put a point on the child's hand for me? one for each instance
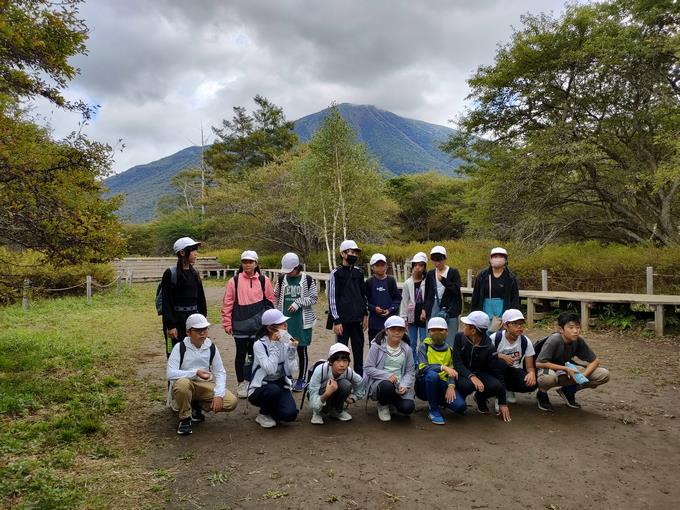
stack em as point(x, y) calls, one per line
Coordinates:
point(402, 390)
point(508, 359)
point(392, 378)
point(504, 413)
point(331, 387)
point(203, 374)
point(450, 394)
point(172, 333)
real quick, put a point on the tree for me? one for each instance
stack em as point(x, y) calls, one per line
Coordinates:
point(574, 130)
point(189, 186)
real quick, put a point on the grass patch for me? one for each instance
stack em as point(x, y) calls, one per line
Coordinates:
point(66, 370)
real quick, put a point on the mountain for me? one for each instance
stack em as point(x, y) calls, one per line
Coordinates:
point(401, 145)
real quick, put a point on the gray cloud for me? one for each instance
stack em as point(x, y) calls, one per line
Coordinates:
point(161, 68)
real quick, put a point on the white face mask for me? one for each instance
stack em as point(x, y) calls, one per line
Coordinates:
point(497, 262)
point(284, 336)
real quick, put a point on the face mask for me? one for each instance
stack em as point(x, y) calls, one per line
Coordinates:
point(352, 259)
point(497, 262)
point(284, 336)
point(438, 337)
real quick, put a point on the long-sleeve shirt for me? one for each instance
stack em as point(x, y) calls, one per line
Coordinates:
point(196, 358)
point(272, 360)
point(321, 375)
point(183, 298)
point(385, 294)
point(249, 292)
point(347, 295)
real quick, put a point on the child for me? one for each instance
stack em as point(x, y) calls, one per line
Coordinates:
point(436, 381)
point(296, 294)
point(334, 385)
point(197, 375)
point(275, 359)
point(389, 371)
point(496, 288)
point(382, 295)
point(412, 302)
point(442, 296)
point(554, 360)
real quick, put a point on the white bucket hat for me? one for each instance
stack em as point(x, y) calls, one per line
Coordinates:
point(419, 257)
point(438, 250)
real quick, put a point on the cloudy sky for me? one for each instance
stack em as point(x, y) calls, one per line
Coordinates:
point(161, 68)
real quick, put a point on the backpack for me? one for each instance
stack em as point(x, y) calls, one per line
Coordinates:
point(183, 350)
point(539, 345)
point(159, 290)
point(427, 348)
point(349, 374)
point(524, 343)
point(308, 279)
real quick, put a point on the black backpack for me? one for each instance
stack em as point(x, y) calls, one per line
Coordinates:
point(159, 289)
point(183, 350)
point(539, 345)
point(308, 278)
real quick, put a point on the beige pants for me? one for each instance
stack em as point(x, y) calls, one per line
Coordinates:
point(547, 379)
point(185, 391)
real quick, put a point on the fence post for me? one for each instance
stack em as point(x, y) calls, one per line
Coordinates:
point(544, 280)
point(469, 278)
point(88, 288)
point(24, 299)
point(319, 267)
point(368, 269)
point(650, 280)
point(119, 282)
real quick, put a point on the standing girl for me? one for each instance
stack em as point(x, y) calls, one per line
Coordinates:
point(496, 289)
point(442, 297)
point(412, 302)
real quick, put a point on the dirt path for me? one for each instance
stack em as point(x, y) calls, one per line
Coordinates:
point(622, 450)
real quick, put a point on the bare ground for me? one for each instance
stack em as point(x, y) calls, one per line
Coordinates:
point(622, 450)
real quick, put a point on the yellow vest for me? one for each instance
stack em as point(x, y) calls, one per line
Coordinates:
point(435, 357)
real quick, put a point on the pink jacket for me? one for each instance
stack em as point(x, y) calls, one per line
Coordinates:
point(249, 292)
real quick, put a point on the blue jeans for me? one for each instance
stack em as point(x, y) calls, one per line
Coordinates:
point(416, 334)
point(431, 388)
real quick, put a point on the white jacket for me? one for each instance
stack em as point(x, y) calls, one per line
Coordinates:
point(408, 295)
point(272, 360)
point(195, 358)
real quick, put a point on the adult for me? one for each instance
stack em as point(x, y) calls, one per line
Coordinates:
point(412, 308)
point(382, 295)
point(197, 376)
point(348, 309)
point(496, 289)
point(181, 292)
point(296, 293)
point(247, 295)
point(274, 361)
point(389, 370)
point(442, 292)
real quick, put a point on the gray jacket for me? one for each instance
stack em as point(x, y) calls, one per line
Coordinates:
point(374, 367)
point(271, 361)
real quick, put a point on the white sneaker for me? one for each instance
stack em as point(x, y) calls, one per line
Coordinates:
point(242, 389)
point(317, 419)
point(265, 421)
point(496, 407)
point(384, 413)
point(511, 398)
point(340, 415)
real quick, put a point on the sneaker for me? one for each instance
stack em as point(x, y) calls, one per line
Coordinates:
point(436, 417)
point(299, 385)
point(340, 415)
point(384, 413)
point(569, 398)
point(197, 413)
point(482, 405)
point(317, 419)
point(242, 389)
point(184, 427)
point(544, 402)
point(496, 407)
point(265, 421)
point(511, 397)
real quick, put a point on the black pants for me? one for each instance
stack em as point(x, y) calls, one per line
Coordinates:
point(492, 387)
point(372, 333)
point(303, 362)
point(243, 346)
point(354, 332)
point(337, 400)
point(275, 400)
point(181, 327)
point(387, 395)
point(514, 380)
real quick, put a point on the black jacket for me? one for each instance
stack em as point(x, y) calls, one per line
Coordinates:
point(481, 289)
point(451, 300)
point(347, 295)
point(182, 299)
point(469, 359)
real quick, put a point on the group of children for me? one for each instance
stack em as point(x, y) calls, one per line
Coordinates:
point(415, 348)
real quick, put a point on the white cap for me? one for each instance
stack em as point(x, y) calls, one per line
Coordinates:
point(377, 257)
point(197, 321)
point(395, 322)
point(498, 251)
point(249, 255)
point(273, 316)
point(289, 262)
point(438, 249)
point(437, 323)
point(419, 257)
point(184, 242)
point(512, 315)
point(478, 319)
point(348, 244)
point(336, 348)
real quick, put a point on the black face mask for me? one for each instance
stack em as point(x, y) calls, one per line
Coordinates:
point(352, 259)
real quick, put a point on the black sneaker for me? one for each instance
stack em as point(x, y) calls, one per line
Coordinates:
point(544, 402)
point(569, 399)
point(196, 413)
point(184, 427)
point(482, 405)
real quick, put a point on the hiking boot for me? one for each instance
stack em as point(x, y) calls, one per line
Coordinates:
point(436, 417)
point(184, 427)
point(299, 385)
point(340, 415)
point(511, 397)
point(317, 419)
point(482, 405)
point(544, 402)
point(197, 413)
point(242, 389)
point(265, 421)
point(569, 398)
point(384, 413)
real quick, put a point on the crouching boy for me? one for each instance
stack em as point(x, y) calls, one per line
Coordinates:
point(197, 375)
point(557, 368)
point(333, 385)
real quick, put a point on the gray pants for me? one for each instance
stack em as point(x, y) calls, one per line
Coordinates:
point(548, 378)
point(337, 400)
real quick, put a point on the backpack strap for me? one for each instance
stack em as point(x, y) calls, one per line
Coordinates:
point(173, 275)
point(213, 350)
point(262, 284)
point(266, 351)
point(498, 336)
point(309, 281)
point(183, 350)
